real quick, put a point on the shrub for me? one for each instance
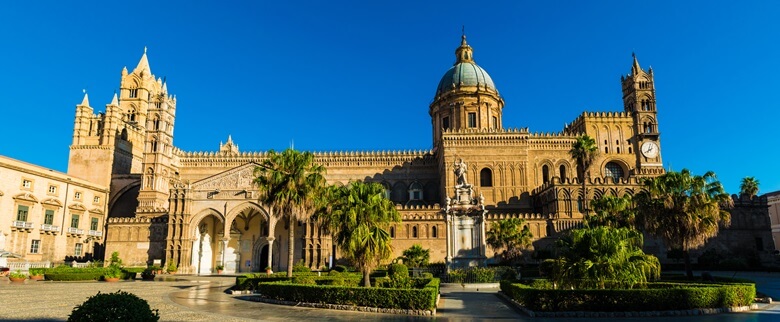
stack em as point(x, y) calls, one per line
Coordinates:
point(17, 274)
point(115, 260)
point(299, 267)
point(37, 271)
point(112, 272)
point(397, 271)
point(171, 267)
point(657, 297)
point(148, 273)
point(304, 280)
point(509, 274)
point(416, 256)
point(472, 275)
point(340, 268)
point(334, 273)
point(424, 298)
point(119, 306)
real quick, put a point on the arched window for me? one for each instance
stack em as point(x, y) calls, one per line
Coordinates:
point(486, 177)
point(545, 173)
point(414, 231)
point(415, 191)
point(154, 146)
point(562, 173)
point(434, 232)
point(392, 232)
point(613, 170)
point(131, 115)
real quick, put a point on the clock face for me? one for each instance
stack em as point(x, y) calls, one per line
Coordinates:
point(650, 149)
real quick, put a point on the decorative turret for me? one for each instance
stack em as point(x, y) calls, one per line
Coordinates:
point(466, 97)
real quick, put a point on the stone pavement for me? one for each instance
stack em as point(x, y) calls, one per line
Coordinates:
point(202, 298)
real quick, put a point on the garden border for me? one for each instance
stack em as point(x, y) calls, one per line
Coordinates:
point(626, 314)
point(344, 307)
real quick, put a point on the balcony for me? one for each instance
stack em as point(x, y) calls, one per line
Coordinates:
point(50, 228)
point(21, 224)
point(75, 231)
point(96, 233)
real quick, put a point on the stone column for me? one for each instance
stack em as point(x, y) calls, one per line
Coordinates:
point(270, 251)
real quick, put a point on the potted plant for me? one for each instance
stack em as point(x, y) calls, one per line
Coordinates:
point(220, 268)
point(148, 274)
point(171, 268)
point(36, 274)
point(157, 269)
point(268, 270)
point(17, 276)
point(112, 273)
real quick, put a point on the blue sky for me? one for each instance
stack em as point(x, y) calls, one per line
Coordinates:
point(359, 75)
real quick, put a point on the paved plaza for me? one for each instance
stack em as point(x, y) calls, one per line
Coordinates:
point(202, 298)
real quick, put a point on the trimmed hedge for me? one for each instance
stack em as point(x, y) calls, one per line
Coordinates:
point(249, 281)
point(657, 297)
point(417, 299)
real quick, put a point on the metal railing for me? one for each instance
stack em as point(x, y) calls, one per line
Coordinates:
point(48, 227)
point(96, 233)
point(21, 224)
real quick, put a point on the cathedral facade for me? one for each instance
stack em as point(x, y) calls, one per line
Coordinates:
point(199, 209)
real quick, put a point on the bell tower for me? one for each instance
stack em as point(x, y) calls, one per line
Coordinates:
point(639, 101)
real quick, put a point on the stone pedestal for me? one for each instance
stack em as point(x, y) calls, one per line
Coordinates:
point(465, 229)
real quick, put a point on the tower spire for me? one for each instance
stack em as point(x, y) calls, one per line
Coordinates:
point(635, 66)
point(143, 64)
point(85, 101)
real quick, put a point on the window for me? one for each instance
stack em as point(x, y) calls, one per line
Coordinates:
point(26, 184)
point(486, 178)
point(94, 224)
point(415, 191)
point(545, 173)
point(613, 170)
point(434, 232)
point(562, 173)
point(445, 123)
point(35, 246)
point(21, 213)
point(759, 244)
point(472, 119)
point(52, 189)
point(414, 232)
point(154, 146)
point(392, 232)
point(495, 122)
point(133, 92)
point(74, 221)
point(79, 247)
point(77, 195)
point(96, 199)
point(48, 217)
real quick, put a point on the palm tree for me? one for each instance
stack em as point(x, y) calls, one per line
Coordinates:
point(512, 235)
point(611, 211)
point(289, 183)
point(359, 217)
point(603, 257)
point(749, 187)
point(583, 150)
point(683, 210)
point(416, 256)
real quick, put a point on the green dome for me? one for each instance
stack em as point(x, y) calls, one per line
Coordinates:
point(465, 74)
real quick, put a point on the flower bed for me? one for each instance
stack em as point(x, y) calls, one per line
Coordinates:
point(660, 296)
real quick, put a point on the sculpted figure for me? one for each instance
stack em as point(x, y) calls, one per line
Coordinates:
point(460, 174)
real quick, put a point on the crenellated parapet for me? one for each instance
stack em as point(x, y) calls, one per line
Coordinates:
point(326, 158)
point(137, 220)
point(526, 216)
point(578, 125)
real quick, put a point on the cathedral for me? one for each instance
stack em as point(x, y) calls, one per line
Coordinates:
point(199, 210)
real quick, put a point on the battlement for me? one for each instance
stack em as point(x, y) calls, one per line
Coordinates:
point(528, 216)
point(578, 124)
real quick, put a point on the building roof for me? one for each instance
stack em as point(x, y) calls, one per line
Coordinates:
point(465, 72)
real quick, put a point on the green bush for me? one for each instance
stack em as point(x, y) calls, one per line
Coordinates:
point(736, 264)
point(112, 271)
point(134, 269)
point(299, 267)
point(472, 275)
point(73, 276)
point(397, 271)
point(509, 274)
point(340, 268)
point(119, 306)
point(37, 271)
point(304, 280)
point(422, 298)
point(657, 297)
point(334, 273)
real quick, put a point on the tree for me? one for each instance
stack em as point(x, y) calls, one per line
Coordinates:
point(603, 257)
point(749, 187)
point(512, 235)
point(683, 210)
point(611, 211)
point(584, 150)
point(289, 183)
point(416, 256)
point(359, 217)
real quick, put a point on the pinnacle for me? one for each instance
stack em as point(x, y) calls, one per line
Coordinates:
point(85, 101)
